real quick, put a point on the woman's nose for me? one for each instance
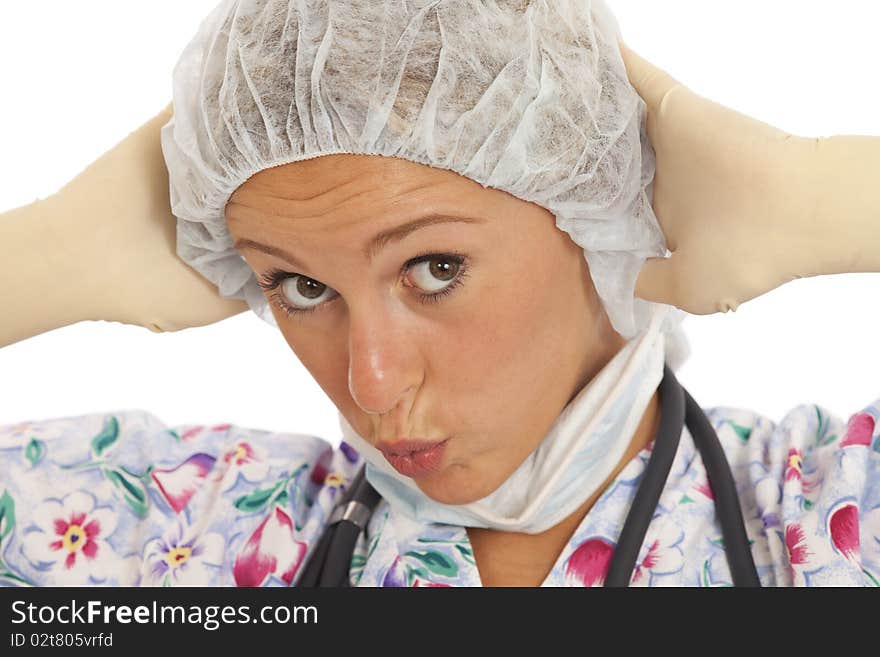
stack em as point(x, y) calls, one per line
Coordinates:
point(383, 365)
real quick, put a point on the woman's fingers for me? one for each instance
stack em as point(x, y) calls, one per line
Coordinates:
point(651, 83)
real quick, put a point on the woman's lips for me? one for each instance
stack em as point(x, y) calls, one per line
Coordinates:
point(413, 458)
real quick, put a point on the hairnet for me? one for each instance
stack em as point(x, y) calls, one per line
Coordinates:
point(527, 96)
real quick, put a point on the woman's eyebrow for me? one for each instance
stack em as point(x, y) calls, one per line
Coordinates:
point(376, 244)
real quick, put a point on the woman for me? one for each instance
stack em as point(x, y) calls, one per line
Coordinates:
point(545, 426)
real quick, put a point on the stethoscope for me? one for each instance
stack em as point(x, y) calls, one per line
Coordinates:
point(330, 562)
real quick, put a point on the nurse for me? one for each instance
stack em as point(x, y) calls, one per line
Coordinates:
point(434, 336)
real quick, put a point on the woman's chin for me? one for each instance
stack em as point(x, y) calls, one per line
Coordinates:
point(451, 487)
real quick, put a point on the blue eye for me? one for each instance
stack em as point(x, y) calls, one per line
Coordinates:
point(451, 270)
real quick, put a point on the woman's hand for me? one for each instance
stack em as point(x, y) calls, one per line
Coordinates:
point(121, 231)
point(735, 197)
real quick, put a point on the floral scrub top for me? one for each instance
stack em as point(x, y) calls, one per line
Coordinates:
point(121, 499)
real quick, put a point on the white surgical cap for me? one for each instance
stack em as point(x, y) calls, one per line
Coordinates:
point(527, 96)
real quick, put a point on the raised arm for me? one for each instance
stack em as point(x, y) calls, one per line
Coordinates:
point(44, 281)
point(846, 177)
point(104, 248)
point(746, 207)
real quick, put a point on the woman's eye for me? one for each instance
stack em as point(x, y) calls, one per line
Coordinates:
point(435, 273)
point(305, 293)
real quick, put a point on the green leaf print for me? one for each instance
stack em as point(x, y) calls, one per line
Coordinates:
point(462, 547)
point(873, 579)
point(34, 451)
point(466, 553)
point(7, 515)
point(821, 432)
point(706, 579)
point(7, 524)
point(6, 574)
point(743, 433)
point(413, 572)
point(107, 437)
point(256, 500)
point(358, 561)
point(437, 562)
point(130, 488)
point(373, 543)
point(297, 492)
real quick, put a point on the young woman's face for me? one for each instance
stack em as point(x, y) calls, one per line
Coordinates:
point(477, 331)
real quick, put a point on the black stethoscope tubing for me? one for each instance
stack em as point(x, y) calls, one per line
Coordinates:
point(330, 561)
point(678, 408)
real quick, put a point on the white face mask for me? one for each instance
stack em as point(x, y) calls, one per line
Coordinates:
point(579, 452)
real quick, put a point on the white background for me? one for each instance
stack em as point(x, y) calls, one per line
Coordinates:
point(77, 77)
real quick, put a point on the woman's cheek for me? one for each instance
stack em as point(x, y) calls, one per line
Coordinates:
point(327, 364)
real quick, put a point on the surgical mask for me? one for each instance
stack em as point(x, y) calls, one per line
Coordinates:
point(578, 454)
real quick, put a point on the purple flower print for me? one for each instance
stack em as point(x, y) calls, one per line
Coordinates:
point(179, 557)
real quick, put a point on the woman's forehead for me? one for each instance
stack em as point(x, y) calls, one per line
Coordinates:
point(307, 179)
point(341, 191)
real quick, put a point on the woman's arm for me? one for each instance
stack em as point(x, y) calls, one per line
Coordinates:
point(847, 182)
point(746, 207)
point(104, 248)
point(44, 283)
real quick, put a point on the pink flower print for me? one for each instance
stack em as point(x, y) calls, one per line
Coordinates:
point(333, 482)
point(71, 538)
point(192, 432)
point(843, 525)
point(180, 483)
point(663, 556)
point(588, 564)
point(245, 459)
point(703, 487)
point(794, 464)
point(648, 562)
point(195, 431)
point(240, 455)
point(76, 537)
point(321, 467)
point(871, 548)
point(179, 557)
point(318, 474)
point(421, 582)
point(795, 543)
point(808, 550)
point(859, 430)
point(270, 550)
